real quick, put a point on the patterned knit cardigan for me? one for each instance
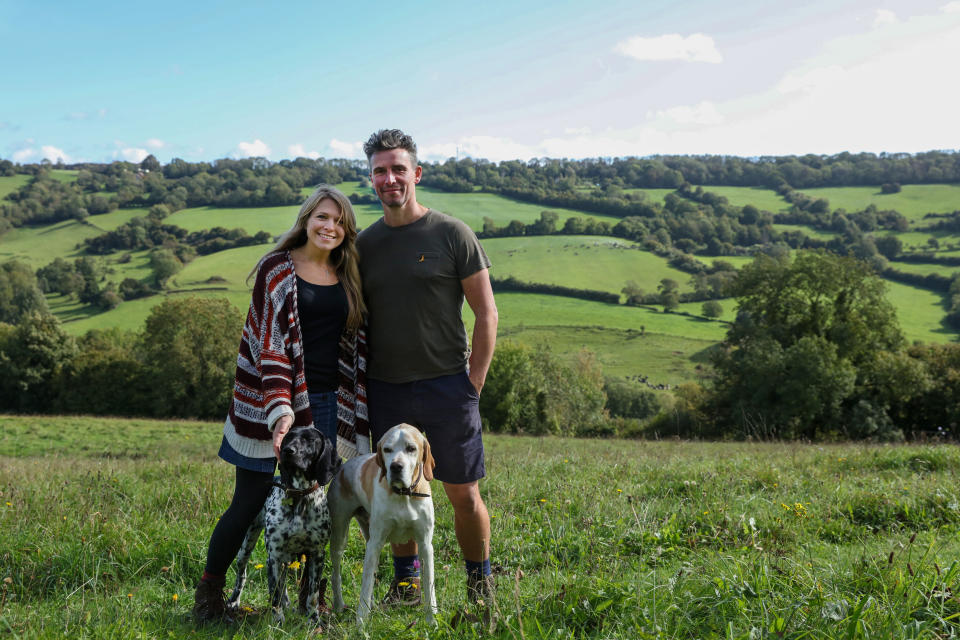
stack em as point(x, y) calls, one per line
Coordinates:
point(271, 379)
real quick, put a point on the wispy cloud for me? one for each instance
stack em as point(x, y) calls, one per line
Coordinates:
point(79, 116)
point(697, 47)
point(256, 149)
point(699, 114)
point(951, 7)
point(131, 154)
point(341, 149)
point(32, 154)
point(884, 17)
point(298, 151)
point(155, 143)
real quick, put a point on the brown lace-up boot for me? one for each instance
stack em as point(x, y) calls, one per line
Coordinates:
point(208, 603)
point(481, 596)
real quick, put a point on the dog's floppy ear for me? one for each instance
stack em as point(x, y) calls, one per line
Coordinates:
point(380, 462)
point(427, 459)
point(326, 462)
point(286, 478)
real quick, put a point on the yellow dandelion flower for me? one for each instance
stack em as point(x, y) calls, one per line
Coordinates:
point(414, 585)
point(403, 584)
point(619, 490)
point(259, 565)
point(543, 499)
point(175, 597)
point(247, 609)
point(9, 504)
point(129, 595)
point(295, 564)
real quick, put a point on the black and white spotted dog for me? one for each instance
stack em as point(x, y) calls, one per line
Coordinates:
point(295, 519)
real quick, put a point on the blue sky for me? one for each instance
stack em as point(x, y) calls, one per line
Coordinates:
point(198, 80)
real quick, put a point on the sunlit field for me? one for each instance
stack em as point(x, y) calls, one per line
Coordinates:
point(104, 525)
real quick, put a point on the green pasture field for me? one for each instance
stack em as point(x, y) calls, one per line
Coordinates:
point(584, 262)
point(924, 269)
point(64, 175)
point(662, 358)
point(473, 207)
point(38, 246)
point(761, 198)
point(913, 201)
point(808, 231)
point(110, 221)
point(9, 184)
point(104, 525)
point(653, 195)
point(920, 313)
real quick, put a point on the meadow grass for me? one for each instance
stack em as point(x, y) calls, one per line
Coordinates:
point(473, 207)
point(913, 201)
point(104, 525)
point(586, 262)
point(760, 197)
point(920, 313)
point(9, 184)
point(64, 175)
point(661, 358)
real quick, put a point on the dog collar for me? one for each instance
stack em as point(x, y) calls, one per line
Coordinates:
point(297, 493)
point(408, 491)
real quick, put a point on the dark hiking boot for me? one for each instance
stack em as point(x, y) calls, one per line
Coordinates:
point(404, 592)
point(208, 603)
point(481, 596)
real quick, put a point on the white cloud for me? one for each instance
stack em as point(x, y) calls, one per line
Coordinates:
point(23, 155)
point(53, 154)
point(693, 48)
point(951, 7)
point(884, 17)
point(155, 143)
point(823, 78)
point(297, 151)
point(256, 149)
point(131, 154)
point(341, 149)
point(700, 114)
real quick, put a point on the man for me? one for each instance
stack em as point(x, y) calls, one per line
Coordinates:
point(418, 265)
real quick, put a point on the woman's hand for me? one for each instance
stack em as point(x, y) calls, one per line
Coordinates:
point(280, 429)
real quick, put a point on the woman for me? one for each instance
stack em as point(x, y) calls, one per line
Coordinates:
point(301, 362)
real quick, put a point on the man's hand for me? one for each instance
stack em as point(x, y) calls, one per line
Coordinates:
point(477, 380)
point(280, 429)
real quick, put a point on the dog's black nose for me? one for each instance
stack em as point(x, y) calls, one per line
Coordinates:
point(396, 467)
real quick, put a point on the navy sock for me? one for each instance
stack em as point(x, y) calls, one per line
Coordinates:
point(478, 569)
point(406, 566)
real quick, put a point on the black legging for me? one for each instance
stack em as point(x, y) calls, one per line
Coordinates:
point(250, 493)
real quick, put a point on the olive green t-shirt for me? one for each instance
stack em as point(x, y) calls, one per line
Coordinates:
point(411, 284)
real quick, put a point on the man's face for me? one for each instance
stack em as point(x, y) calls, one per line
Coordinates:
point(394, 177)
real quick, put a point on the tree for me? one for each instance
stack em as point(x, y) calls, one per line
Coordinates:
point(164, 264)
point(669, 294)
point(32, 355)
point(20, 295)
point(190, 351)
point(150, 163)
point(712, 309)
point(801, 358)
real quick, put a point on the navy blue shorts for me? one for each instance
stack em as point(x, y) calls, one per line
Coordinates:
point(446, 409)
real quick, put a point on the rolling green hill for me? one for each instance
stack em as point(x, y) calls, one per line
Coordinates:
point(628, 340)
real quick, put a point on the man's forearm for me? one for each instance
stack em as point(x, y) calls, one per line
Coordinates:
point(484, 341)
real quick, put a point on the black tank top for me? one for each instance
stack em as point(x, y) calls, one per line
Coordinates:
point(323, 315)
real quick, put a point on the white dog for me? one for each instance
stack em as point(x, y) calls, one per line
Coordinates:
point(389, 494)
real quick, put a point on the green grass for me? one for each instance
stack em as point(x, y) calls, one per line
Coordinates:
point(913, 201)
point(38, 246)
point(473, 207)
point(807, 231)
point(9, 184)
point(585, 262)
point(104, 526)
point(763, 199)
point(664, 359)
point(64, 175)
point(920, 313)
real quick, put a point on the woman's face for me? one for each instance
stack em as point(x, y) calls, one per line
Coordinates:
point(324, 226)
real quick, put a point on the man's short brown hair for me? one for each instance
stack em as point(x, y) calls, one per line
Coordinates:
point(387, 139)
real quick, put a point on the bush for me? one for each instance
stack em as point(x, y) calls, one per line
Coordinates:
point(628, 399)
